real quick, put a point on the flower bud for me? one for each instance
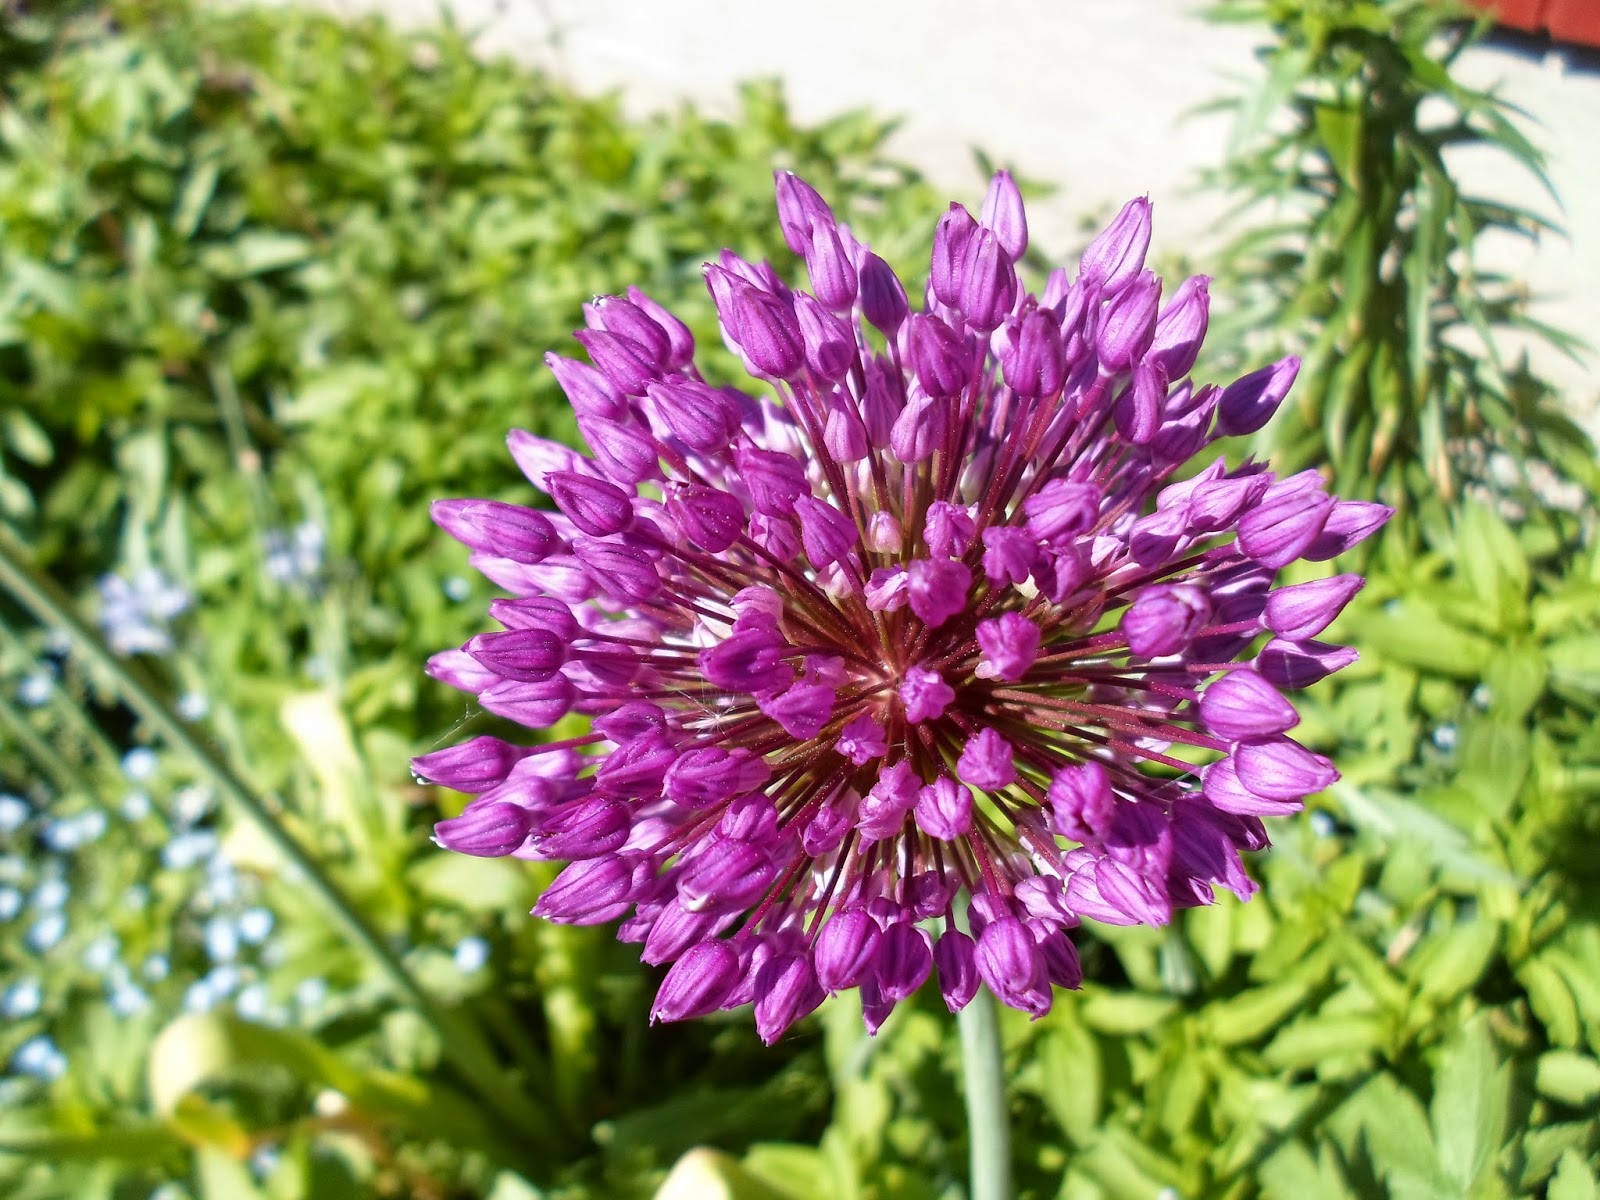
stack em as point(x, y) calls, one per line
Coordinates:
point(883, 297)
point(799, 205)
point(485, 829)
point(1003, 213)
point(786, 990)
point(944, 809)
point(1032, 361)
point(1081, 802)
point(596, 507)
point(988, 282)
point(937, 589)
point(1283, 526)
point(1165, 618)
point(987, 761)
point(503, 530)
point(1279, 768)
point(1243, 705)
point(625, 574)
point(1181, 328)
point(534, 705)
point(938, 356)
point(1249, 402)
point(710, 775)
point(1137, 410)
point(833, 276)
point(1299, 665)
point(696, 984)
point(592, 891)
point(624, 452)
point(955, 955)
point(1128, 325)
point(775, 480)
point(1062, 511)
point(1349, 523)
point(709, 519)
point(905, 960)
point(801, 710)
point(1303, 610)
point(846, 949)
point(950, 238)
point(1010, 644)
point(587, 389)
point(623, 361)
point(680, 342)
point(830, 347)
point(526, 655)
point(1115, 257)
point(610, 314)
point(698, 415)
point(1008, 960)
point(829, 535)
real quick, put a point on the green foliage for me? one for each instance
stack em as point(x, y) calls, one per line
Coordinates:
point(1360, 256)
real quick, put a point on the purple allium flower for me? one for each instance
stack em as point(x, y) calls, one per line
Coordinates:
point(919, 613)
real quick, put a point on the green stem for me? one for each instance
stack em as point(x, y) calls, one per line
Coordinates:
point(983, 1071)
point(462, 1043)
point(36, 748)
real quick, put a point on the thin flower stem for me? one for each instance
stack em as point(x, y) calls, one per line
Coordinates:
point(983, 1074)
point(463, 1045)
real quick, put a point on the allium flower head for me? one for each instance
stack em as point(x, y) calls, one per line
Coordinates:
point(915, 615)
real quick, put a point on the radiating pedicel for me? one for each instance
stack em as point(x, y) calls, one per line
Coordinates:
point(917, 622)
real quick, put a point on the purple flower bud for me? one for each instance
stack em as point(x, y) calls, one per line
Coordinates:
point(536, 612)
point(905, 960)
point(621, 572)
point(799, 206)
point(1081, 802)
point(711, 775)
point(944, 809)
point(1279, 768)
point(882, 403)
point(1217, 504)
point(1138, 407)
point(1181, 328)
point(1349, 523)
point(1062, 511)
point(458, 669)
point(955, 955)
point(535, 705)
point(1249, 402)
point(536, 456)
point(708, 518)
point(750, 660)
point(883, 298)
point(833, 276)
point(1303, 610)
point(1243, 705)
point(1010, 644)
point(729, 875)
point(1009, 555)
point(802, 710)
point(950, 238)
point(937, 590)
point(1031, 357)
point(473, 766)
point(624, 452)
point(764, 326)
point(925, 695)
point(1299, 665)
point(526, 655)
point(920, 429)
point(680, 342)
point(626, 320)
point(486, 829)
point(752, 819)
point(988, 286)
point(775, 479)
point(636, 768)
point(846, 949)
point(1282, 527)
point(948, 530)
point(590, 393)
point(1128, 325)
point(786, 990)
point(830, 346)
point(596, 507)
point(1165, 618)
point(1003, 212)
point(938, 355)
point(699, 416)
point(844, 434)
point(588, 829)
point(884, 808)
point(825, 831)
point(987, 762)
point(862, 740)
point(631, 720)
point(503, 530)
point(591, 891)
point(1061, 966)
point(828, 534)
point(697, 983)
point(1009, 961)
point(779, 536)
point(1115, 257)
point(624, 361)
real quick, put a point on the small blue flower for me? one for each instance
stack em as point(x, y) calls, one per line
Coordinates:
point(14, 813)
point(223, 981)
point(10, 903)
point(35, 688)
point(456, 588)
point(198, 998)
point(255, 924)
point(471, 954)
point(22, 999)
point(310, 993)
point(190, 803)
point(51, 894)
point(135, 806)
point(47, 932)
point(140, 763)
point(40, 1058)
point(252, 1002)
point(222, 939)
point(193, 706)
point(127, 1000)
point(155, 968)
point(99, 954)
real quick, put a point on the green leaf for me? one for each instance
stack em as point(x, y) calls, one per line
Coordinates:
point(1574, 1180)
point(1449, 963)
point(1573, 1079)
point(1469, 1105)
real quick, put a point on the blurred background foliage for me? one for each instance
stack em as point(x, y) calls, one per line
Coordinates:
point(269, 283)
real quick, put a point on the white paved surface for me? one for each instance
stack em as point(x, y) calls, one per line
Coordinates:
point(1088, 94)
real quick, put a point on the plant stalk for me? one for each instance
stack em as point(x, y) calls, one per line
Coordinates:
point(983, 1073)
